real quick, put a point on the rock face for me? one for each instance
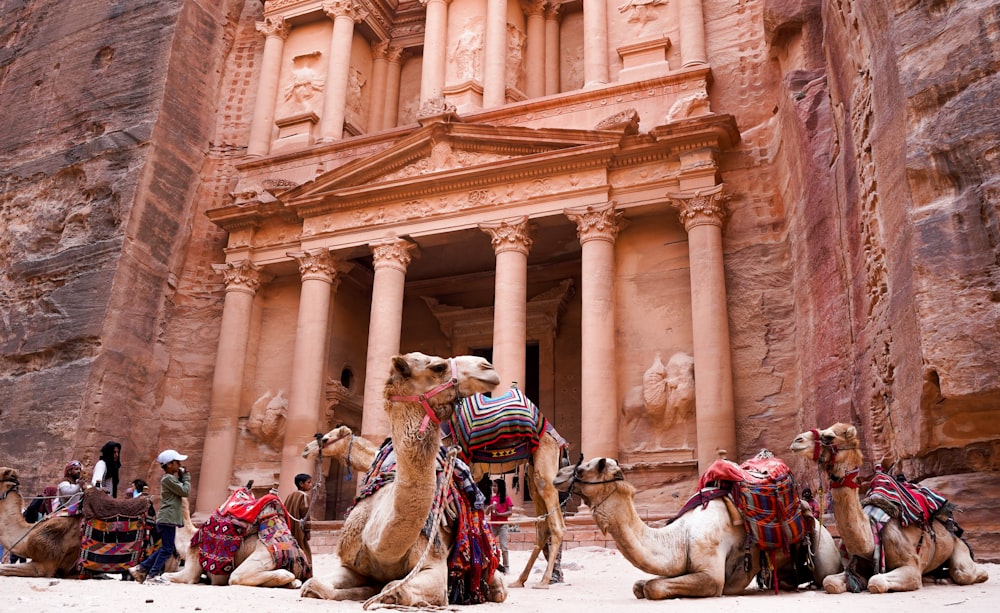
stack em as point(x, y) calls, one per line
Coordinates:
point(862, 250)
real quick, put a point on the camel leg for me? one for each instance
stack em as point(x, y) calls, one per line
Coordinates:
point(428, 587)
point(902, 579)
point(531, 559)
point(546, 466)
point(27, 569)
point(342, 584)
point(962, 568)
point(258, 571)
point(702, 584)
point(835, 584)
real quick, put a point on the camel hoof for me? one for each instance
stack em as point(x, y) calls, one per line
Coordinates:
point(878, 585)
point(517, 583)
point(541, 586)
point(638, 588)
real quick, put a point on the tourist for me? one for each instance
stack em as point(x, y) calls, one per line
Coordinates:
point(106, 471)
point(70, 489)
point(501, 509)
point(176, 484)
point(807, 496)
point(138, 488)
point(297, 505)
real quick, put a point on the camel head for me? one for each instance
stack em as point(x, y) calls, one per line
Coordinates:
point(836, 449)
point(593, 480)
point(333, 441)
point(433, 384)
point(8, 481)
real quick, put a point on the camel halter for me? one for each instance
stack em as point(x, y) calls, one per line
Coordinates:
point(350, 446)
point(429, 414)
point(849, 479)
point(13, 480)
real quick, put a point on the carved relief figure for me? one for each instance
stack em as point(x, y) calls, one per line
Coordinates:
point(639, 11)
point(355, 81)
point(267, 419)
point(515, 56)
point(657, 412)
point(306, 83)
point(468, 52)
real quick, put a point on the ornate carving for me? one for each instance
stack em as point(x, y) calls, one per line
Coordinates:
point(395, 54)
point(267, 419)
point(596, 222)
point(516, 41)
point(533, 7)
point(701, 207)
point(392, 253)
point(639, 11)
point(691, 105)
point(274, 26)
point(306, 83)
point(626, 121)
point(379, 49)
point(318, 264)
point(433, 107)
point(244, 276)
point(668, 391)
point(468, 52)
point(345, 8)
point(508, 235)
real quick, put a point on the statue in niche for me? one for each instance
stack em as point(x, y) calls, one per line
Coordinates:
point(468, 53)
point(306, 83)
point(267, 419)
point(515, 56)
point(355, 81)
point(656, 413)
point(639, 11)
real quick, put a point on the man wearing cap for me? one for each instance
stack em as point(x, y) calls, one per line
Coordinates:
point(176, 484)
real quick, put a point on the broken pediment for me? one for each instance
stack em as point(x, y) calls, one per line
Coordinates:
point(444, 155)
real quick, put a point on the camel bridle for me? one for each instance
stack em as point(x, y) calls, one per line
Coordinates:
point(819, 445)
point(323, 444)
point(13, 480)
point(429, 414)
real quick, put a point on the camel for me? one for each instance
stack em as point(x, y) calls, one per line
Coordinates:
point(908, 552)
point(542, 466)
point(52, 545)
point(355, 452)
point(253, 562)
point(383, 550)
point(700, 554)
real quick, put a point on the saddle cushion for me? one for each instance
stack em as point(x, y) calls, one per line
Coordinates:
point(501, 429)
point(114, 533)
point(217, 542)
point(911, 503)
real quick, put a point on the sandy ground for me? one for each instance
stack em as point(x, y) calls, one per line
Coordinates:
point(597, 581)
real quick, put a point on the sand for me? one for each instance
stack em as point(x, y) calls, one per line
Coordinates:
point(597, 581)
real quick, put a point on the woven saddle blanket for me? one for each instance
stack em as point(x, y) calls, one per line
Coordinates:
point(765, 493)
point(911, 503)
point(502, 429)
point(113, 532)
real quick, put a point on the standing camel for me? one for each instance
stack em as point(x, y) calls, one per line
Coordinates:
point(354, 452)
point(909, 553)
point(702, 553)
point(52, 545)
point(383, 549)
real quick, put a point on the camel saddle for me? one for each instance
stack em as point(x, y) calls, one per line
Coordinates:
point(501, 430)
point(911, 503)
point(114, 533)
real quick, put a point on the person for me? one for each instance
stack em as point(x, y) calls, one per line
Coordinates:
point(297, 505)
point(106, 470)
point(807, 495)
point(136, 489)
point(176, 484)
point(501, 508)
point(70, 489)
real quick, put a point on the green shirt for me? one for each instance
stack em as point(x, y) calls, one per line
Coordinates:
point(172, 490)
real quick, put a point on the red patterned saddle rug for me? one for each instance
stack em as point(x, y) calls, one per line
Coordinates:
point(507, 428)
point(911, 503)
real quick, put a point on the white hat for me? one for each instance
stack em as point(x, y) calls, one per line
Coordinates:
point(169, 456)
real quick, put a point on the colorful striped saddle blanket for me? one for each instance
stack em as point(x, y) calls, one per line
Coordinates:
point(911, 503)
point(495, 430)
point(114, 533)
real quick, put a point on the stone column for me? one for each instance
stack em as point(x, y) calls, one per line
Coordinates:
point(435, 47)
point(380, 73)
point(702, 213)
point(344, 13)
point(242, 280)
point(275, 30)
point(510, 303)
point(319, 271)
point(691, 20)
point(552, 49)
point(595, 43)
point(391, 260)
point(597, 228)
point(394, 55)
point(495, 55)
point(535, 53)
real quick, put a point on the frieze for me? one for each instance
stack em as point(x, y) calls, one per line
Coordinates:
point(453, 159)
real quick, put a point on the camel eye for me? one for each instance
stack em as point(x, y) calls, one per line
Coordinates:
point(439, 368)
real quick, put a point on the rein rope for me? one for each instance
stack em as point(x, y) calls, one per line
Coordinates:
point(440, 493)
point(429, 414)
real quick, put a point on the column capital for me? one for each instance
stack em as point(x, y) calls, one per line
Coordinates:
point(243, 276)
point(392, 253)
point(533, 7)
point(274, 26)
point(508, 235)
point(553, 10)
point(424, 3)
point(380, 48)
point(319, 265)
point(345, 8)
point(395, 53)
point(601, 222)
point(701, 206)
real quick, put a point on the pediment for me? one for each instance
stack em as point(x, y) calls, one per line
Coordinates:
point(441, 154)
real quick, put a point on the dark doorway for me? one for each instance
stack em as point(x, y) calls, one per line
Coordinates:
point(531, 361)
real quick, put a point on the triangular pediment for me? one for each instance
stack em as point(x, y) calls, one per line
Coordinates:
point(441, 154)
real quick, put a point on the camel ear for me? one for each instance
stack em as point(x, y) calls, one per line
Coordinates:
point(602, 464)
point(852, 433)
point(401, 367)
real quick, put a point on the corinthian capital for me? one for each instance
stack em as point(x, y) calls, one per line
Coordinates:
point(700, 207)
point(392, 253)
point(242, 276)
point(533, 7)
point(319, 264)
point(596, 222)
point(345, 8)
point(508, 235)
point(274, 26)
